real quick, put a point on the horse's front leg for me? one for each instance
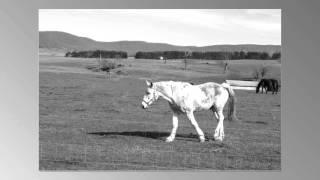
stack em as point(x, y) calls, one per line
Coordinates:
point(174, 128)
point(196, 126)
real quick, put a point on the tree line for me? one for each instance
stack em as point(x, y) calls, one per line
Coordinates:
point(218, 55)
point(210, 55)
point(97, 54)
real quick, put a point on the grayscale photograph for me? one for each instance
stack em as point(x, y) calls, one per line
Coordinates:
point(159, 89)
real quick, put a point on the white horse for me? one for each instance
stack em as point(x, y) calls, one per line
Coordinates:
point(186, 98)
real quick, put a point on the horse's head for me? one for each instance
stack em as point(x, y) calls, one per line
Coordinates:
point(150, 96)
point(257, 89)
point(260, 84)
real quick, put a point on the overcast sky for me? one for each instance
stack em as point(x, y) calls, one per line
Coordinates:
point(178, 27)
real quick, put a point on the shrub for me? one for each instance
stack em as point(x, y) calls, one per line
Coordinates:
point(119, 72)
point(104, 65)
point(93, 68)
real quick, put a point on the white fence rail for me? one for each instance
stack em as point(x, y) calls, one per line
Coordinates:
point(243, 85)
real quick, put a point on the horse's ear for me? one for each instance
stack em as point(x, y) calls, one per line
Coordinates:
point(149, 83)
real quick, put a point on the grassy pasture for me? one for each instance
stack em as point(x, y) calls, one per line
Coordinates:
point(89, 121)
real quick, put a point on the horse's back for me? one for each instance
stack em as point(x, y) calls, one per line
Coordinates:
point(181, 88)
point(215, 93)
point(207, 89)
point(200, 96)
point(212, 89)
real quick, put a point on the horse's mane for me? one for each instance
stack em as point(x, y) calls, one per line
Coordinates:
point(162, 85)
point(172, 83)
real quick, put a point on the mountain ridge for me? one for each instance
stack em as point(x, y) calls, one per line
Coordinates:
point(63, 41)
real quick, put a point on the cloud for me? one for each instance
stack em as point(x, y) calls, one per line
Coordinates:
point(176, 26)
point(257, 25)
point(265, 12)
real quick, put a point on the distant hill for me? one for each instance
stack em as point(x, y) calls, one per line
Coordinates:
point(63, 42)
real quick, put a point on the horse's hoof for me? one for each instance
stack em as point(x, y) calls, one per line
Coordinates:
point(218, 139)
point(202, 139)
point(168, 140)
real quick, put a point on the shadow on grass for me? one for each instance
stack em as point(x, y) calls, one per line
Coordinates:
point(151, 134)
point(256, 122)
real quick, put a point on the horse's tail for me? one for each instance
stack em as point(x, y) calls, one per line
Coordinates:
point(232, 103)
point(276, 85)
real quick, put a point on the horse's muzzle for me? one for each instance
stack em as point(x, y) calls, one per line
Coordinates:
point(144, 105)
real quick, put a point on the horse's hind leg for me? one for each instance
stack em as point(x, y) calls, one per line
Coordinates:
point(174, 128)
point(196, 126)
point(214, 110)
point(216, 115)
point(219, 132)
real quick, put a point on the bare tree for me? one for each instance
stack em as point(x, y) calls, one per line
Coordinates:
point(226, 58)
point(260, 72)
point(226, 66)
point(100, 59)
point(187, 54)
point(263, 71)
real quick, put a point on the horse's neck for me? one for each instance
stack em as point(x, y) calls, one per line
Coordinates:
point(165, 89)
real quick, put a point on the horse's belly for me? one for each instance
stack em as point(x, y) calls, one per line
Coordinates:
point(204, 104)
point(193, 100)
point(178, 108)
